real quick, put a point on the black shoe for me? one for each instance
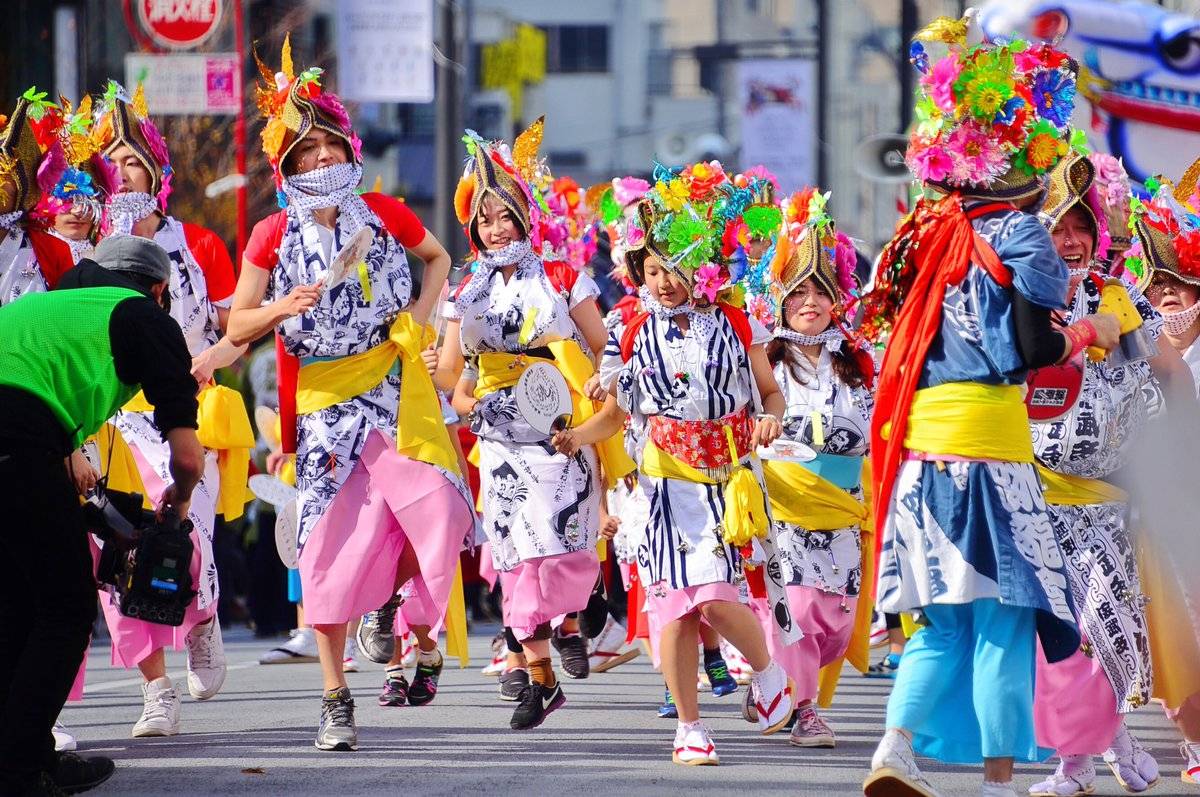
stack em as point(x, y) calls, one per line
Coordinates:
point(512, 683)
point(537, 703)
point(424, 685)
point(572, 654)
point(395, 689)
point(76, 773)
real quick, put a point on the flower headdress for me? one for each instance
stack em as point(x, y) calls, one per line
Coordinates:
point(615, 206)
point(811, 247)
point(74, 176)
point(1167, 230)
point(568, 225)
point(682, 223)
point(1071, 183)
point(493, 169)
point(24, 138)
point(124, 120)
point(990, 118)
point(292, 105)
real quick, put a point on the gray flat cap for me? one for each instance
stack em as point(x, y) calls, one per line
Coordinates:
point(134, 255)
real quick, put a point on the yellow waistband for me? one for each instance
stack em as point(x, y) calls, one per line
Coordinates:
point(1064, 490)
point(498, 370)
point(802, 497)
point(421, 431)
point(971, 420)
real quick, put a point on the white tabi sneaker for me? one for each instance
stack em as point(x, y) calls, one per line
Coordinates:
point(693, 746)
point(608, 650)
point(1075, 776)
point(205, 660)
point(1133, 767)
point(773, 694)
point(894, 770)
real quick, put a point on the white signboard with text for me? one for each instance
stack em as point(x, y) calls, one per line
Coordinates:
point(186, 83)
point(777, 98)
point(385, 50)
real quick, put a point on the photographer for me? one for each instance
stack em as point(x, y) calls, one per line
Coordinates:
point(68, 360)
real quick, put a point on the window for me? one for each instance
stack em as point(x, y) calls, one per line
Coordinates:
point(576, 48)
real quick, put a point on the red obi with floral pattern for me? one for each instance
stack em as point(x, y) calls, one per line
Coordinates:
point(702, 444)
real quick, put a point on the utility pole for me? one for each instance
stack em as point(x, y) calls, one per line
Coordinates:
point(822, 90)
point(908, 29)
point(448, 112)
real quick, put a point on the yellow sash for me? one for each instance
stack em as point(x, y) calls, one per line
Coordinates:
point(802, 497)
point(421, 431)
point(971, 420)
point(744, 517)
point(117, 462)
point(1064, 490)
point(224, 428)
point(498, 370)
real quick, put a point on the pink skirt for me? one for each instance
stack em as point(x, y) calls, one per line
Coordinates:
point(827, 630)
point(349, 561)
point(538, 590)
point(1074, 707)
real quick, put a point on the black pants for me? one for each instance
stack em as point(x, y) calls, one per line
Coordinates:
point(47, 606)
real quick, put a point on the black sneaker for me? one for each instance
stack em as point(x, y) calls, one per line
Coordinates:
point(337, 730)
point(572, 654)
point(376, 632)
point(395, 689)
point(537, 703)
point(76, 773)
point(424, 685)
point(512, 683)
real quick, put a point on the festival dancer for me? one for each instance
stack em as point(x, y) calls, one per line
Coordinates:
point(817, 506)
point(1166, 261)
point(1081, 701)
point(968, 284)
point(540, 512)
point(201, 285)
point(58, 183)
point(381, 499)
point(695, 372)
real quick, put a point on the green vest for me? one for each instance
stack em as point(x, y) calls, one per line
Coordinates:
point(56, 346)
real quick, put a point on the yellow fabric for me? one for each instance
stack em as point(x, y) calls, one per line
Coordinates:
point(456, 621)
point(802, 497)
point(1064, 490)
point(421, 431)
point(224, 427)
point(948, 419)
point(117, 462)
point(1174, 650)
point(498, 370)
point(744, 517)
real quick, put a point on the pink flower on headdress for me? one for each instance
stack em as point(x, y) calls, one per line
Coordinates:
point(845, 261)
point(1103, 239)
point(709, 281)
point(356, 146)
point(931, 164)
point(761, 310)
point(940, 82)
point(629, 189)
point(978, 157)
point(1110, 175)
point(762, 173)
point(333, 108)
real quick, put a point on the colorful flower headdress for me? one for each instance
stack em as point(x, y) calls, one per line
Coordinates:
point(811, 247)
point(507, 175)
point(1167, 229)
point(24, 138)
point(683, 222)
point(569, 227)
point(124, 120)
point(616, 207)
point(292, 105)
point(74, 176)
point(990, 118)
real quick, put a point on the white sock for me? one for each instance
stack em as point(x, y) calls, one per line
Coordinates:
point(1073, 765)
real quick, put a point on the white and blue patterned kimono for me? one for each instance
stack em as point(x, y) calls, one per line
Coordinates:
point(960, 531)
point(683, 544)
point(1093, 441)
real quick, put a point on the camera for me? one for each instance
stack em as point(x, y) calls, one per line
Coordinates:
point(146, 562)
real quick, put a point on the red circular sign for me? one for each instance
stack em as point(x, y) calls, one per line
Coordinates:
point(179, 24)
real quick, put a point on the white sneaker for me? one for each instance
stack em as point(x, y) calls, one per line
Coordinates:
point(608, 649)
point(739, 668)
point(63, 740)
point(349, 662)
point(1133, 767)
point(693, 746)
point(879, 631)
point(205, 660)
point(160, 709)
point(1190, 773)
point(990, 789)
point(773, 698)
point(408, 650)
point(894, 771)
point(1075, 776)
point(499, 657)
point(302, 647)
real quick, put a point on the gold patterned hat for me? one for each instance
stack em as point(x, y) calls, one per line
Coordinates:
point(810, 247)
point(1167, 228)
point(124, 120)
point(493, 170)
point(1067, 186)
point(19, 156)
